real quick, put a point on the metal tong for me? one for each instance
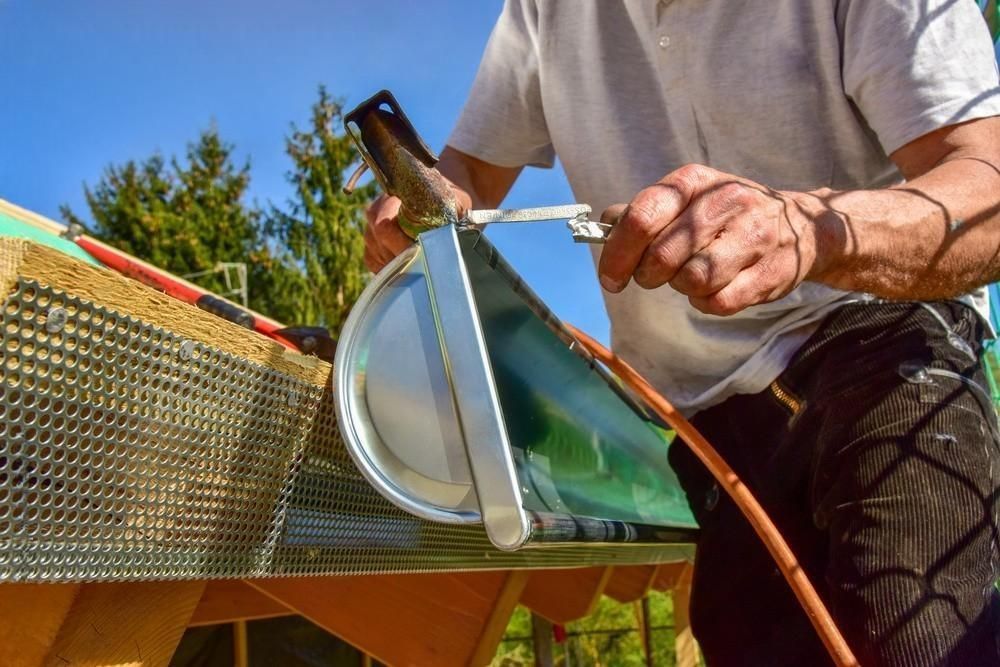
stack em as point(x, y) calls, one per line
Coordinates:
point(405, 167)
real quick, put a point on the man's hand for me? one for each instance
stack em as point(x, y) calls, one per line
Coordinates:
point(724, 241)
point(475, 184)
point(383, 237)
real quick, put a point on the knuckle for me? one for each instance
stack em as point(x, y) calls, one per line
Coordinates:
point(640, 220)
point(758, 233)
point(764, 273)
point(690, 173)
point(695, 277)
point(724, 303)
point(663, 256)
point(658, 265)
point(734, 193)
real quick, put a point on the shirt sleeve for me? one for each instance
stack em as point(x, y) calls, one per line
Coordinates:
point(914, 66)
point(503, 121)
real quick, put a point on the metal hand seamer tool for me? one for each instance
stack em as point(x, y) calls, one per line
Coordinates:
point(405, 167)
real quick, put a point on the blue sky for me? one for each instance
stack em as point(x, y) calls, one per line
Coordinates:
point(86, 84)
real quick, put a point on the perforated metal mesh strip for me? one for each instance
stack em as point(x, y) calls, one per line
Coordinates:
point(128, 452)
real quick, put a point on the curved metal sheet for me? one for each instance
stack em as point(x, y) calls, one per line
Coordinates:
point(463, 399)
point(394, 400)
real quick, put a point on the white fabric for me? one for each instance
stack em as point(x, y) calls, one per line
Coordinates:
point(795, 94)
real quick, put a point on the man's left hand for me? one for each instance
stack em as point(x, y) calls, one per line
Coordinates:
point(724, 241)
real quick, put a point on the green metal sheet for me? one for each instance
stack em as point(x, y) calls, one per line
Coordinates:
point(10, 226)
point(580, 450)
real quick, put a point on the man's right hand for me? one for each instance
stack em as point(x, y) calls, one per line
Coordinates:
point(383, 237)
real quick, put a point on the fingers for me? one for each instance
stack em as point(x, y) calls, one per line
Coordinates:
point(383, 237)
point(383, 221)
point(643, 219)
point(636, 227)
point(751, 286)
point(719, 234)
point(613, 213)
point(706, 220)
point(725, 242)
point(715, 266)
point(463, 201)
point(375, 256)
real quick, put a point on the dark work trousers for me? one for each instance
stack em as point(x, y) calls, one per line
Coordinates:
point(876, 454)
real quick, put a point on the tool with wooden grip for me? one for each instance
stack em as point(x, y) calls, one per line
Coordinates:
point(405, 167)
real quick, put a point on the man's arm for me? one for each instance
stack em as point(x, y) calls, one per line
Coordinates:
point(477, 184)
point(729, 243)
point(935, 236)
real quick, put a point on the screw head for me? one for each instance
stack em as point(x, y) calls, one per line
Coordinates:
point(55, 320)
point(187, 350)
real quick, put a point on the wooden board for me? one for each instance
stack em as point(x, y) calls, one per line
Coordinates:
point(30, 617)
point(631, 582)
point(562, 596)
point(231, 600)
point(124, 624)
point(416, 619)
point(57, 229)
point(21, 258)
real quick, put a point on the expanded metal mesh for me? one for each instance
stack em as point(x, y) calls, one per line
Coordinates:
point(129, 452)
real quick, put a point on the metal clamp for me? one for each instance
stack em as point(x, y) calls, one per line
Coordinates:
point(577, 218)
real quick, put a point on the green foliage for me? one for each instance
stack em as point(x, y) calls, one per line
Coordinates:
point(185, 217)
point(304, 263)
point(609, 637)
point(323, 227)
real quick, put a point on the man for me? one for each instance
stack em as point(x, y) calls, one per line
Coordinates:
point(795, 280)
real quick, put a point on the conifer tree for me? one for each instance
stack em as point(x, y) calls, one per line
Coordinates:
point(322, 227)
point(305, 262)
point(185, 217)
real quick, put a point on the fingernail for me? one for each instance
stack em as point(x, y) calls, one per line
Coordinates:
point(610, 285)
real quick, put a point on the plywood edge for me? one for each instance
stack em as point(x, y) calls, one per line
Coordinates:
point(100, 285)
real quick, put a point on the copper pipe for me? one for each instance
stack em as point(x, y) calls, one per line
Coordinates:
point(811, 603)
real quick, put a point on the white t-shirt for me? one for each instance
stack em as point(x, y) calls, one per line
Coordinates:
point(794, 94)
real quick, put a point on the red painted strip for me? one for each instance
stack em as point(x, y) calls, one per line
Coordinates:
point(150, 275)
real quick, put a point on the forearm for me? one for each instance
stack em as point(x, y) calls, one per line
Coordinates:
point(936, 236)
